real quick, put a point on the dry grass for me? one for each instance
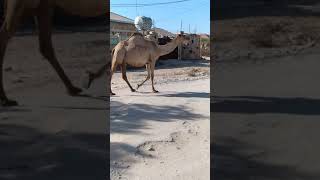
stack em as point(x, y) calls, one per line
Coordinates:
point(283, 33)
point(193, 72)
point(255, 38)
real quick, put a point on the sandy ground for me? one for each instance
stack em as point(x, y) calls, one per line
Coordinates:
point(265, 108)
point(51, 134)
point(153, 136)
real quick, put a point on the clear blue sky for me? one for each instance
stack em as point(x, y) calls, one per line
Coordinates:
point(169, 16)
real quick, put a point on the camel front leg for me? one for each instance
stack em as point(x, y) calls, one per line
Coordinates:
point(124, 75)
point(45, 32)
point(152, 77)
point(147, 78)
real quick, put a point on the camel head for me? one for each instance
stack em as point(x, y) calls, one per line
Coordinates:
point(182, 38)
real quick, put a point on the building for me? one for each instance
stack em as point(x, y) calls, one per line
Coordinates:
point(192, 50)
point(188, 51)
point(120, 28)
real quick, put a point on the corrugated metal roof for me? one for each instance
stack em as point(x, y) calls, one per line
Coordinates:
point(118, 18)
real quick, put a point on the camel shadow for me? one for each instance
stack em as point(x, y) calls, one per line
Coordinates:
point(27, 153)
point(188, 95)
point(130, 118)
point(175, 94)
point(231, 161)
point(254, 105)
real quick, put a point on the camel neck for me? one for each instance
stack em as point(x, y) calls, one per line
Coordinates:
point(169, 47)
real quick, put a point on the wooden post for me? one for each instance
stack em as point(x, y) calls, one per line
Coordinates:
point(180, 49)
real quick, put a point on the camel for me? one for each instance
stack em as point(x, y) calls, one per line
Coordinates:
point(15, 11)
point(137, 51)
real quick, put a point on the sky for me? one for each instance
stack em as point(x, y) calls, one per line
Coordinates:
point(169, 16)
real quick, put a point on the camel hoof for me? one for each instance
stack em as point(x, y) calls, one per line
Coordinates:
point(133, 90)
point(7, 102)
point(138, 86)
point(112, 94)
point(74, 91)
point(155, 91)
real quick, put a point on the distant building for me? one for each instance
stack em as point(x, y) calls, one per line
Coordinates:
point(120, 28)
point(192, 50)
point(189, 51)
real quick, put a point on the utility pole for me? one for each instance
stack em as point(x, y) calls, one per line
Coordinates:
point(136, 7)
point(180, 46)
point(189, 28)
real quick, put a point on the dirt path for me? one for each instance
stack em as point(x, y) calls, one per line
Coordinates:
point(153, 136)
point(52, 134)
point(266, 119)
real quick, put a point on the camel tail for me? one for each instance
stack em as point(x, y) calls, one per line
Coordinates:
point(112, 53)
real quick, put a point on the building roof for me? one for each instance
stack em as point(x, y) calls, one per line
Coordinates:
point(118, 18)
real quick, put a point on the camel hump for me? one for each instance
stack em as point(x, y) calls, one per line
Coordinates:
point(136, 34)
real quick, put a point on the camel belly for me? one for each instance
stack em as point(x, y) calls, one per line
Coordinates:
point(84, 8)
point(136, 64)
point(137, 58)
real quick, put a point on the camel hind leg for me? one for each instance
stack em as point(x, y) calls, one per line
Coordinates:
point(147, 78)
point(112, 70)
point(46, 48)
point(91, 76)
point(13, 17)
point(152, 67)
point(124, 75)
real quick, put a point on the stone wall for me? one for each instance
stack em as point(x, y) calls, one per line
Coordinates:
point(192, 50)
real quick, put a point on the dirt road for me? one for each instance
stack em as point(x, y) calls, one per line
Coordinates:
point(266, 118)
point(161, 136)
point(51, 134)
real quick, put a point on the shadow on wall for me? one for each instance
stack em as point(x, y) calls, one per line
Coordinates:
point(29, 154)
point(130, 118)
point(254, 105)
point(231, 161)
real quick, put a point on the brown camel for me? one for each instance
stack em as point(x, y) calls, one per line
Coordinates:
point(42, 10)
point(138, 51)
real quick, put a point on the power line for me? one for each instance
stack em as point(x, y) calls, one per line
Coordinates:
point(150, 4)
point(136, 7)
